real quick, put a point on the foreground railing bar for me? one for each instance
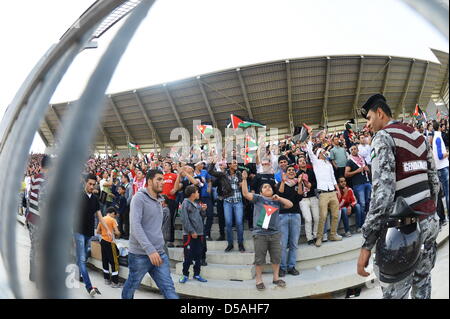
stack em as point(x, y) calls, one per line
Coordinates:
point(63, 183)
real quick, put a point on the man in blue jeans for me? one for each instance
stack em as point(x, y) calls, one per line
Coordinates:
point(290, 220)
point(440, 156)
point(357, 172)
point(146, 245)
point(84, 230)
point(230, 184)
point(348, 206)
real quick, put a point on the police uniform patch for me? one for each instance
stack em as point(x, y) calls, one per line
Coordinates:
point(372, 154)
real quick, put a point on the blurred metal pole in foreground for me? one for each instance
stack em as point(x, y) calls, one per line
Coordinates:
point(64, 184)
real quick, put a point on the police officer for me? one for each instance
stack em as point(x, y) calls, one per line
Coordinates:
point(402, 166)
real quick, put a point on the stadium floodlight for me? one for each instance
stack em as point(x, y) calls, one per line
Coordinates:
point(116, 15)
point(121, 11)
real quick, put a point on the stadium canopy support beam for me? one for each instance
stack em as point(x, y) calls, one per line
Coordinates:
point(50, 130)
point(56, 114)
point(324, 121)
point(147, 120)
point(401, 106)
point(119, 116)
point(386, 76)
point(354, 112)
point(106, 146)
point(289, 89)
point(106, 135)
point(424, 81)
point(44, 139)
point(172, 104)
point(244, 93)
point(205, 98)
point(445, 83)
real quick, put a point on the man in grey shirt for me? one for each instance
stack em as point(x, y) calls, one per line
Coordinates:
point(146, 245)
point(338, 156)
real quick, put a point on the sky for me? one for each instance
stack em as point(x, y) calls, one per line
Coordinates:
point(181, 39)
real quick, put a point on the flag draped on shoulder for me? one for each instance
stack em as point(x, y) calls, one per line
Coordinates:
point(265, 220)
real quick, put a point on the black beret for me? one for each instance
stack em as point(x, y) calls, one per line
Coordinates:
point(371, 102)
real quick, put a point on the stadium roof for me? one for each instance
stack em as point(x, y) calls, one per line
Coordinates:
point(318, 91)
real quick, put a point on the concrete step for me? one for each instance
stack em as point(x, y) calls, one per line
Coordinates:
point(216, 234)
point(309, 283)
point(215, 226)
point(308, 256)
point(221, 272)
point(246, 272)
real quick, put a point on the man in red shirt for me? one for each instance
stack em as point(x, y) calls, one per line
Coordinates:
point(170, 188)
point(348, 206)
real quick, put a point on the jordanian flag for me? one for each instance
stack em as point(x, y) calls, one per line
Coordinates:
point(265, 220)
point(249, 158)
point(252, 145)
point(205, 129)
point(134, 146)
point(236, 122)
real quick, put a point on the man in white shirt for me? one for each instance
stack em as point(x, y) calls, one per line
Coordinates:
point(440, 155)
point(364, 149)
point(327, 188)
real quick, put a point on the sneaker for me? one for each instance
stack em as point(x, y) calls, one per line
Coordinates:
point(281, 273)
point(359, 230)
point(292, 271)
point(200, 278)
point(221, 238)
point(229, 248)
point(241, 248)
point(311, 242)
point(118, 285)
point(335, 238)
point(204, 263)
point(170, 245)
point(94, 291)
point(208, 238)
point(280, 283)
point(107, 282)
point(325, 238)
point(183, 279)
point(348, 234)
point(318, 242)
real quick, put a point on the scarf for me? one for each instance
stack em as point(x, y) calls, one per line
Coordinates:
point(359, 160)
point(305, 189)
point(291, 182)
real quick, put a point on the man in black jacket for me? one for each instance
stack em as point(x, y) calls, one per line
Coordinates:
point(229, 186)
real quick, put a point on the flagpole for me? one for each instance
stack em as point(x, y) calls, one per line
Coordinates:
point(128, 144)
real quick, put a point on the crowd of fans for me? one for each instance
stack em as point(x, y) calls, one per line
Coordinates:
point(318, 182)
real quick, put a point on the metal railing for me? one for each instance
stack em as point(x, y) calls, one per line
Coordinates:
point(17, 130)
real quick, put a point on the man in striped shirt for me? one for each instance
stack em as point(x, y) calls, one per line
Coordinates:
point(33, 216)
